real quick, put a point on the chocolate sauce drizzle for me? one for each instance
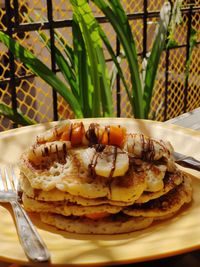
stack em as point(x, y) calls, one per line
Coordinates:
point(113, 162)
point(59, 155)
point(148, 149)
point(70, 132)
point(92, 134)
point(98, 154)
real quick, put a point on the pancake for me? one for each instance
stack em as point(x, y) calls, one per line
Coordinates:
point(66, 208)
point(166, 204)
point(170, 181)
point(57, 195)
point(73, 218)
point(118, 224)
point(72, 177)
point(67, 177)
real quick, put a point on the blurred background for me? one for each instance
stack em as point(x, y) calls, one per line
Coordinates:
point(177, 86)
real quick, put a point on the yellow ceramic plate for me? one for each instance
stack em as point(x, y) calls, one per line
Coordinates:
point(170, 237)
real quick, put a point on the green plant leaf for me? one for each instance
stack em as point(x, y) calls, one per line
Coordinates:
point(115, 60)
point(66, 48)
point(119, 21)
point(171, 43)
point(15, 115)
point(63, 65)
point(58, 36)
point(193, 38)
point(81, 68)
point(99, 76)
point(41, 70)
point(78, 14)
point(154, 58)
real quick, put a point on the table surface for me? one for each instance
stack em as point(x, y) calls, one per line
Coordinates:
point(189, 120)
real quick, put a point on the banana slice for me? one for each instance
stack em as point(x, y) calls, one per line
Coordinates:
point(37, 153)
point(147, 148)
point(155, 175)
point(111, 162)
point(53, 133)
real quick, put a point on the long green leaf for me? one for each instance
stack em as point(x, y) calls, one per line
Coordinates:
point(66, 48)
point(118, 18)
point(58, 36)
point(63, 65)
point(90, 30)
point(106, 93)
point(154, 58)
point(81, 67)
point(115, 60)
point(41, 70)
point(92, 59)
point(15, 115)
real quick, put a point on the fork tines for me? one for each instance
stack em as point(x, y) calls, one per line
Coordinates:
point(8, 179)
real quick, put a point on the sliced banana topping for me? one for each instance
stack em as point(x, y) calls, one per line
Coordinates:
point(53, 133)
point(141, 146)
point(36, 153)
point(155, 175)
point(111, 162)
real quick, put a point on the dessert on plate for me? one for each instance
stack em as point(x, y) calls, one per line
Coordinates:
point(92, 178)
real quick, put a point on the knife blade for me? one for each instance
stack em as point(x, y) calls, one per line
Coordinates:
point(186, 161)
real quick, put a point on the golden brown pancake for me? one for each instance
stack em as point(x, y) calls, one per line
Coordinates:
point(170, 181)
point(164, 205)
point(74, 217)
point(72, 177)
point(66, 208)
point(57, 195)
point(118, 224)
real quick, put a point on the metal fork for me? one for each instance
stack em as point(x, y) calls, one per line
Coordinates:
point(33, 245)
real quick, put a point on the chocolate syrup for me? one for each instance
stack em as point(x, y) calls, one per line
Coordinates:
point(113, 162)
point(95, 157)
point(45, 152)
point(93, 164)
point(91, 135)
point(65, 149)
point(70, 132)
point(148, 149)
point(100, 147)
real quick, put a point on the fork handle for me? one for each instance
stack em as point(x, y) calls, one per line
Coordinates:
point(33, 245)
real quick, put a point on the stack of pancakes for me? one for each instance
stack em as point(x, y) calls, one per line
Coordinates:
point(96, 179)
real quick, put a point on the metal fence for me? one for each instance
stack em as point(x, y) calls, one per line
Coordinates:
point(174, 93)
